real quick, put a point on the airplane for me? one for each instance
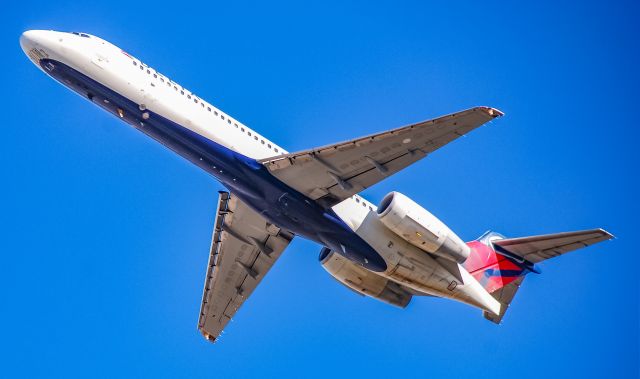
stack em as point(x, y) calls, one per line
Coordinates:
point(390, 252)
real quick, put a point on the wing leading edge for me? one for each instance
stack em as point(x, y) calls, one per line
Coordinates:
point(244, 247)
point(333, 173)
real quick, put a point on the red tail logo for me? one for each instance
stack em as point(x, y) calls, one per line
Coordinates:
point(492, 270)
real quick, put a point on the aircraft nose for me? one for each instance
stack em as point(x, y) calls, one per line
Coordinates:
point(29, 39)
point(35, 42)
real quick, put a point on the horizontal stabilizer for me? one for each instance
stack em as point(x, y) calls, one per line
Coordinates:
point(501, 264)
point(539, 248)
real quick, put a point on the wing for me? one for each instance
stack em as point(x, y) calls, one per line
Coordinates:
point(539, 248)
point(333, 173)
point(243, 249)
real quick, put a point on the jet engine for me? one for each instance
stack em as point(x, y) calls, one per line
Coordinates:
point(363, 281)
point(420, 228)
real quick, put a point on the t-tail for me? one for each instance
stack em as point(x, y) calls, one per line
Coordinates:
point(500, 264)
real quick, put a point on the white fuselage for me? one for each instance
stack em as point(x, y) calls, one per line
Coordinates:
point(134, 80)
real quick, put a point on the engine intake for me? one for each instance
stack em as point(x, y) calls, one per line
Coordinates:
point(420, 228)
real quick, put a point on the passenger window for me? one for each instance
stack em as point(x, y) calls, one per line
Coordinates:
point(255, 138)
point(249, 133)
point(215, 113)
point(182, 92)
point(209, 109)
point(262, 141)
point(269, 145)
point(155, 76)
point(189, 97)
point(242, 129)
point(222, 116)
point(148, 71)
point(135, 63)
point(229, 122)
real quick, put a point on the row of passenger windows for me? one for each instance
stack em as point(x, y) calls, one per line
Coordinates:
point(215, 112)
point(190, 96)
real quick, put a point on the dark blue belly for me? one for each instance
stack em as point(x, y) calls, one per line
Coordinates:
point(245, 177)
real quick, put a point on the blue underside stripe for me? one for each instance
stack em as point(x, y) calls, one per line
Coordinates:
point(245, 177)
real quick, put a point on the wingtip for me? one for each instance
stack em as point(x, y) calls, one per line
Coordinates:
point(208, 336)
point(493, 112)
point(611, 236)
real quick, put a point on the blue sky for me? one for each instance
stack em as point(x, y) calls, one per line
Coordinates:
point(106, 233)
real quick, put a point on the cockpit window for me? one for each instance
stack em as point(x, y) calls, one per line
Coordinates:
point(81, 34)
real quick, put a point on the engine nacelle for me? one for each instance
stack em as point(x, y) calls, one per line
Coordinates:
point(420, 228)
point(363, 281)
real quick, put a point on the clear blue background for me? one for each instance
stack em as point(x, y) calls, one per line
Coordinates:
point(105, 234)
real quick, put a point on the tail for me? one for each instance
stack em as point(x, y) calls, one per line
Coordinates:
point(500, 264)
